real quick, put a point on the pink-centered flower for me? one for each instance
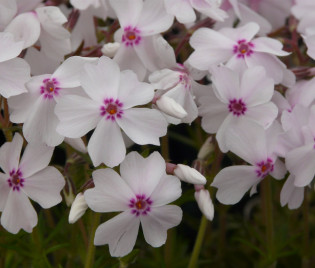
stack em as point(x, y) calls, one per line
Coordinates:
point(140, 21)
point(239, 50)
point(141, 192)
point(35, 108)
point(109, 107)
point(236, 97)
point(29, 178)
point(256, 146)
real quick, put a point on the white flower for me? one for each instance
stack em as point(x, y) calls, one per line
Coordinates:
point(112, 96)
point(141, 193)
point(31, 177)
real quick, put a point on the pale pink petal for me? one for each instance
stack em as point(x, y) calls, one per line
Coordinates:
point(120, 233)
point(106, 144)
point(4, 190)
point(273, 66)
point(77, 144)
point(9, 48)
point(256, 88)
point(35, 158)
point(13, 76)
point(279, 170)
point(222, 130)
point(158, 221)
point(205, 38)
point(263, 114)
point(247, 32)
point(247, 139)
point(154, 19)
point(291, 195)
point(300, 162)
point(226, 83)
point(127, 59)
point(50, 15)
point(127, 11)
point(181, 9)
point(269, 45)
point(132, 92)
point(68, 73)
point(212, 111)
point(77, 115)
point(143, 125)
point(10, 154)
point(111, 193)
point(234, 182)
point(18, 213)
point(40, 126)
point(25, 27)
point(44, 187)
point(167, 191)
point(102, 80)
point(24, 6)
point(8, 10)
point(143, 174)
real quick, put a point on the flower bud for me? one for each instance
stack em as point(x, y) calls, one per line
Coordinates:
point(188, 174)
point(170, 107)
point(78, 208)
point(205, 203)
point(110, 49)
point(206, 149)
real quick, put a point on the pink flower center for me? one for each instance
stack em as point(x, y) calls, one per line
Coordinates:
point(16, 181)
point(49, 88)
point(131, 36)
point(111, 109)
point(140, 205)
point(237, 107)
point(243, 48)
point(264, 168)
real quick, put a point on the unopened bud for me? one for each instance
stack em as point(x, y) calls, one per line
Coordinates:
point(205, 203)
point(78, 208)
point(206, 149)
point(110, 49)
point(170, 107)
point(188, 174)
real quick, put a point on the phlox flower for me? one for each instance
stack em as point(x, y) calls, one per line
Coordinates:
point(14, 72)
point(140, 21)
point(239, 50)
point(141, 192)
point(35, 108)
point(112, 94)
point(256, 146)
point(29, 178)
point(237, 97)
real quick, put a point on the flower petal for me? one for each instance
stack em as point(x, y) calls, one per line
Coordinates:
point(106, 144)
point(35, 158)
point(18, 213)
point(9, 48)
point(143, 125)
point(111, 193)
point(10, 154)
point(291, 195)
point(44, 187)
point(120, 233)
point(158, 221)
point(143, 174)
point(233, 182)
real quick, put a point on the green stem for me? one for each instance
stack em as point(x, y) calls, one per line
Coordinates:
point(268, 215)
point(89, 260)
point(198, 243)
point(306, 234)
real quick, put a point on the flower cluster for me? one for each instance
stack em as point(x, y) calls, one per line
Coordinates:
point(101, 94)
